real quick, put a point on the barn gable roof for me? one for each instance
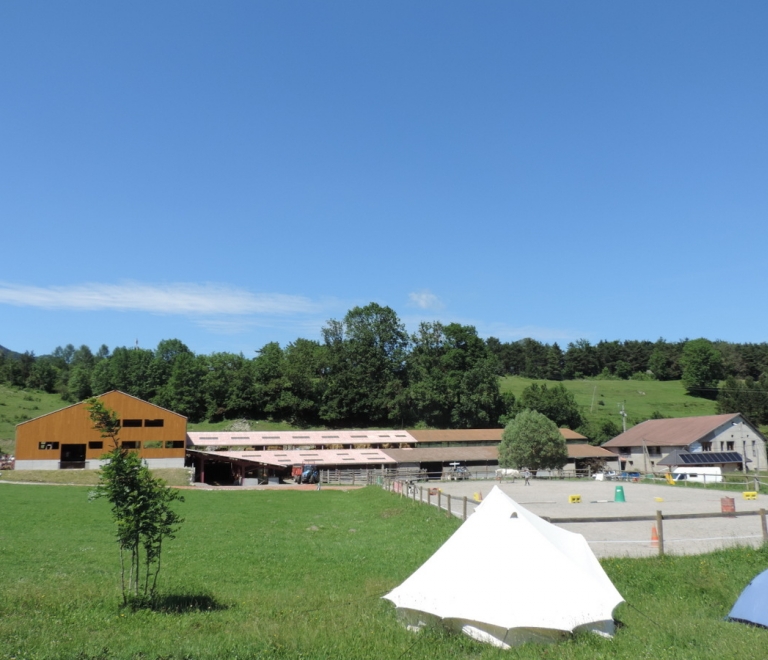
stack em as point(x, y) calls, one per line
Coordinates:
point(675, 432)
point(101, 396)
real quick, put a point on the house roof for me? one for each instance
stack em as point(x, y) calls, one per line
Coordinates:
point(568, 434)
point(676, 432)
point(457, 435)
point(589, 451)
point(295, 438)
point(476, 435)
point(443, 454)
point(331, 457)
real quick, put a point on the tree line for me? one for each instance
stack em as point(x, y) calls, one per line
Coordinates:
point(368, 371)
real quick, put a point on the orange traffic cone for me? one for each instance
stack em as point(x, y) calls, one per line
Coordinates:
point(654, 537)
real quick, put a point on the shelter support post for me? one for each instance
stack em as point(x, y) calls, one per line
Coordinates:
point(660, 531)
point(764, 525)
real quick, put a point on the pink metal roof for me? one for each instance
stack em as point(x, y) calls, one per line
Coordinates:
point(330, 457)
point(677, 432)
point(295, 438)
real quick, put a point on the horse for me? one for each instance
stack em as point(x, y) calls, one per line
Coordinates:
point(501, 473)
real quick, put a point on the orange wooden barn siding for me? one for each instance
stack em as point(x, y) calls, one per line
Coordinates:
point(72, 425)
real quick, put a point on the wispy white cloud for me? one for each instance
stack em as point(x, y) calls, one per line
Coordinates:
point(425, 299)
point(185, 299)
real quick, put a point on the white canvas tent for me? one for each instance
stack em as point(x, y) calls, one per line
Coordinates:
point(507, 577)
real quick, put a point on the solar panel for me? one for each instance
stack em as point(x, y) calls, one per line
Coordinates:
point(704, 458)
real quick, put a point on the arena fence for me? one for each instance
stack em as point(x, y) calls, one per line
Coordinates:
point(457, 506)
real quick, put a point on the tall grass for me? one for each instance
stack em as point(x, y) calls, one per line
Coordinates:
point(266, 574)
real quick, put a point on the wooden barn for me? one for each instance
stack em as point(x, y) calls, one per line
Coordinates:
point(66, 439)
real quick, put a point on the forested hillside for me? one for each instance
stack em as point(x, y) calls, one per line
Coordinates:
point(368, 371)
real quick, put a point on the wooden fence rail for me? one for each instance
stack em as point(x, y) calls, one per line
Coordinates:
point(408, 489)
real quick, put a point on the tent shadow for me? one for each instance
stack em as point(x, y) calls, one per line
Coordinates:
point(183, 603)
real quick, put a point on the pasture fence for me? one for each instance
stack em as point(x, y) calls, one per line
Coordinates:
point(446, 501)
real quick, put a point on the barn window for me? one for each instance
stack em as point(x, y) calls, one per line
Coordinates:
point(130, 444)
point(130, 423)
point(48, 445)
point(96, 444)
point(174, 444)
point(153, 444)
point(154, 422)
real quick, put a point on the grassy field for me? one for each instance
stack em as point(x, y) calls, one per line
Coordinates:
point(265, 574)
point(172, 476)
point(17, 405)
point(641, 398)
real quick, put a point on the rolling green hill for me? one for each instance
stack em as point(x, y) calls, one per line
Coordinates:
point(17, 406)
point(601, 399)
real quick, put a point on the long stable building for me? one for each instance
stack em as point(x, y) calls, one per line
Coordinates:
point(66, 439)
point(260, 455)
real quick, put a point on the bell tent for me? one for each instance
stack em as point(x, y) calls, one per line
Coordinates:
point(507, 577)
point(752, 606)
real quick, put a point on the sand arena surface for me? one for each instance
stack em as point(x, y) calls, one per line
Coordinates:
point(622, 539)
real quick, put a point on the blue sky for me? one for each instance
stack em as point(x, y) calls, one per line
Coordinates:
point(234, 173)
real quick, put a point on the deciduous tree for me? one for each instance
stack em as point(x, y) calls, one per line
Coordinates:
point(534, 441)
point(702, 368)
point(141, 509)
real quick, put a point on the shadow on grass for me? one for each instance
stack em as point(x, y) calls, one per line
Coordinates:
point(183, 603)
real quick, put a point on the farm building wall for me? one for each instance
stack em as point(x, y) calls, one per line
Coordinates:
point(67, 436)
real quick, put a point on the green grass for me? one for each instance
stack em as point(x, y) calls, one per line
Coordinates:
point(600, 399)
point(19, 405)
point(172, 476)
point(265, 574)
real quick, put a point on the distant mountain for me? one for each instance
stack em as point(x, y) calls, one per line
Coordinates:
point(9, 352)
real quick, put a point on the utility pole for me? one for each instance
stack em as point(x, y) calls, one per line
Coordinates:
point(623, 414)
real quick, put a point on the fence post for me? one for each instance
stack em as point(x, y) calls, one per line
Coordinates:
point(439, 497)
point(448, 495)
point(660, 531)
point(429, 496)
point(421, 493)
point(464, 515)
point(764, 526)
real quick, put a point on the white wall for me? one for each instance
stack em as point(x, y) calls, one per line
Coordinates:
point(95, 465)
point(745, 441)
